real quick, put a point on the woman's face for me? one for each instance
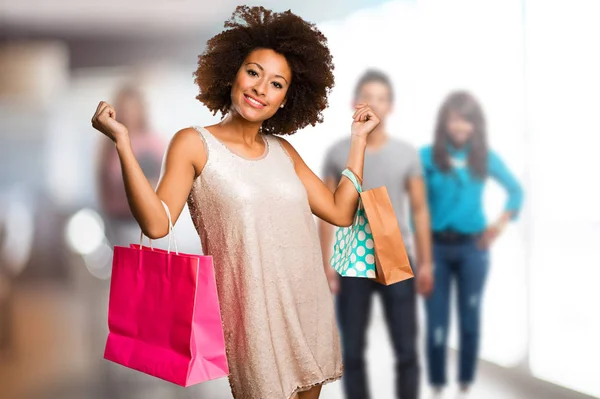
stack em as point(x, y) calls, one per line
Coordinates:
point(261, 85)
point(459, 129)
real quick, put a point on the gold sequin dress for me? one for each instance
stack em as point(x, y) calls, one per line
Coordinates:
point(254, 218)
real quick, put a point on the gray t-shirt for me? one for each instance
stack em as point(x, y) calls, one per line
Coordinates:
point(391, 166)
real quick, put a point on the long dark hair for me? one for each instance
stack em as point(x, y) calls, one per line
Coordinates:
point(466, 106)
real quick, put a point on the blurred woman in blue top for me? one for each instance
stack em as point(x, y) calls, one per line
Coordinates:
point(456, 168)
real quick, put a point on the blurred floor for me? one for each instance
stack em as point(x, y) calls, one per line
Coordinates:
point(57, 354)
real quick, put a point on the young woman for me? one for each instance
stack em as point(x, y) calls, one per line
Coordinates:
point(252, 198)
point(456, 169)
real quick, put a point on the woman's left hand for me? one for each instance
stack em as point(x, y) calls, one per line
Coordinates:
point(365, 121)
point(489, 236)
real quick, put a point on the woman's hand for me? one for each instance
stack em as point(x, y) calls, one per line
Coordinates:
point(489, 236)
point(493, 231)
point(365, 121)
point(104, 120)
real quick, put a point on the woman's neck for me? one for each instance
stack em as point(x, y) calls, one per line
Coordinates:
point(238, 129)
point(458, 147)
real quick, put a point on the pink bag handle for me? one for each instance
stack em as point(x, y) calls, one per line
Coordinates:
point(171, 232)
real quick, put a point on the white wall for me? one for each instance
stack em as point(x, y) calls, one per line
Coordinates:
point(563, 89)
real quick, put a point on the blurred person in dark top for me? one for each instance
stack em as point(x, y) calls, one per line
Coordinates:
point(456, 168)
point(131, 111)
point(395, 164)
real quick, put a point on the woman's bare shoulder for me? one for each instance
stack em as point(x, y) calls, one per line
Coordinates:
point(187, 144)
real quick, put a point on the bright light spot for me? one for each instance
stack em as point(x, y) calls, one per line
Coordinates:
point(99, 262)
point(85, 232)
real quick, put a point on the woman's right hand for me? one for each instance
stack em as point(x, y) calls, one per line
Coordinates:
point(104, 120)
point(364, 121)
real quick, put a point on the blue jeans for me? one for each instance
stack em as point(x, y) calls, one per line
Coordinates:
point(467, 265)
point(353, 311)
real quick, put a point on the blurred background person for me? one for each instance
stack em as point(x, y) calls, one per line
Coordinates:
point(395, 164)
point(457, 167)
point(120, 226)
point(131, 111)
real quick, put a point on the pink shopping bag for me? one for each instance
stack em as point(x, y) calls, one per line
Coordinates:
point(164, 318)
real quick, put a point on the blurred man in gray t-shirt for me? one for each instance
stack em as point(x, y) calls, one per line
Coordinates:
point(395, 164)
point(392, 165)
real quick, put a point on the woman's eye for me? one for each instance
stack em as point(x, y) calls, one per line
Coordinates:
point(278, 85)
point(252, 73)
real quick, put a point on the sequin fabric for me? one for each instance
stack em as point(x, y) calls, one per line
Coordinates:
point(254, 218)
